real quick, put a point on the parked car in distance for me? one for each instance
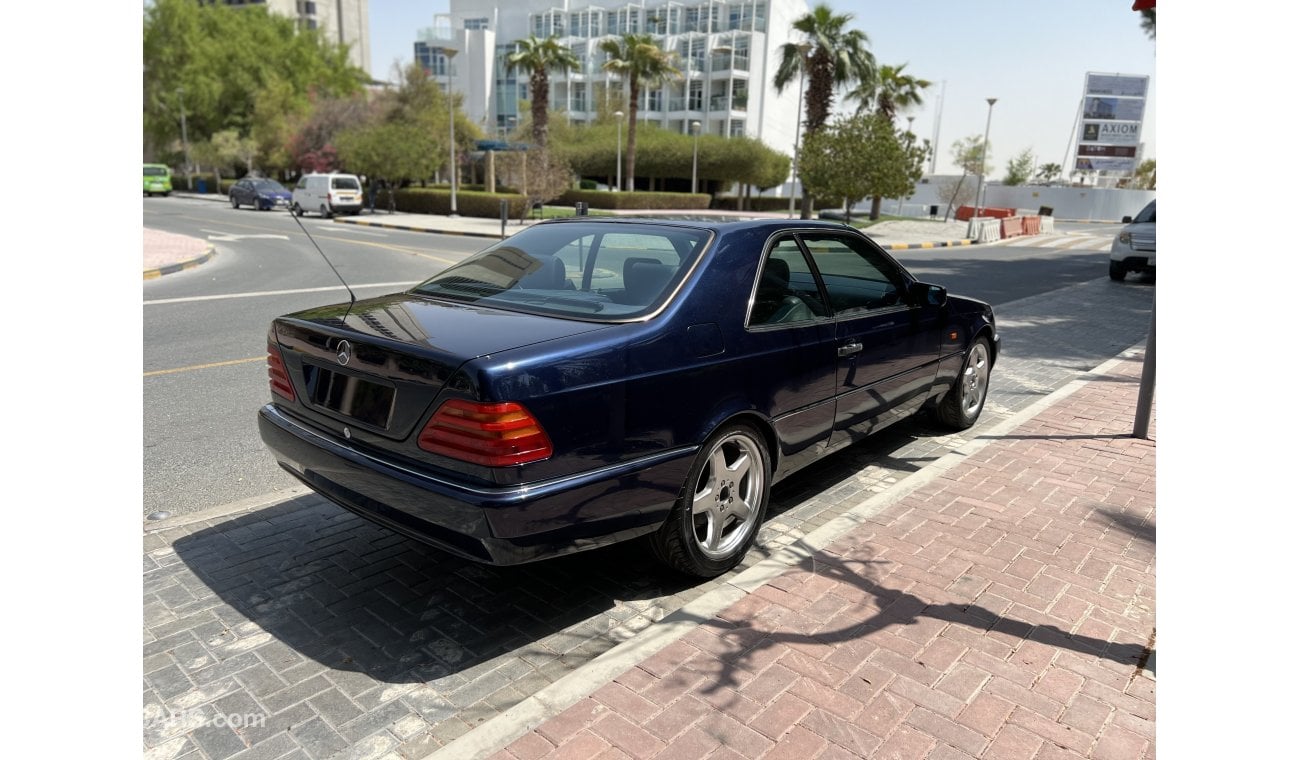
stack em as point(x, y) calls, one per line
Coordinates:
point(157, 179)
point(260, 193)
point(589, 381)
point(328, 194)
point(1134, 248)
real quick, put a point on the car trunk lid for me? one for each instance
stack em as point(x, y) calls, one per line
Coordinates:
point(376, 368)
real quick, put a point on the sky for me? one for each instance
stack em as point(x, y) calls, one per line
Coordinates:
point(1031, 56)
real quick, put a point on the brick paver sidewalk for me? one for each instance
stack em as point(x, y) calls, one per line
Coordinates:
point(163, 249)
point(1004, 610)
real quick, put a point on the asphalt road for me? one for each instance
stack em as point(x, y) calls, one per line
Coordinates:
point(205, 336)
point(205, 329)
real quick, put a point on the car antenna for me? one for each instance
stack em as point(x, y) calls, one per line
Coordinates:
point(351, 295)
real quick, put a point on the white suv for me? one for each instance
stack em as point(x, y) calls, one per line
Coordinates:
point(328, 194)
point(1134, 248)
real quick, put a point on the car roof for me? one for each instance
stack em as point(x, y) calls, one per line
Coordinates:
point(717, 223)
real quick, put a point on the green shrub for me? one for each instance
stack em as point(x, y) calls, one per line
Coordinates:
point(757, 203)
point(637, 200)
point(425, 200)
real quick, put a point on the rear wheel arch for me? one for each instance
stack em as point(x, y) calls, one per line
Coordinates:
point(757, 421)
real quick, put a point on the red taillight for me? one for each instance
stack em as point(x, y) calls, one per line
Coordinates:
point(280, 384)
point(496, 435)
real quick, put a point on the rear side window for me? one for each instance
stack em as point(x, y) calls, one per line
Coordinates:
point(590, 271)
point(345, 183)
point(787, 291)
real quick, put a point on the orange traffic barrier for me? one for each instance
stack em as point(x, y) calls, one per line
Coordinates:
point(964, 213)
point(1032, 224)
point(1012, 226)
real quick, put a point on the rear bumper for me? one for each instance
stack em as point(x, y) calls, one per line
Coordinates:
point(495, 525)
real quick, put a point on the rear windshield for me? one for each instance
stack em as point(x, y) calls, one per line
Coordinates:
point(155, 171)
point(1147, 214)
point(589, 271)
point(345, 183)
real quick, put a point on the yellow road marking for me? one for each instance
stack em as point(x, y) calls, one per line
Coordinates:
point(204, 366)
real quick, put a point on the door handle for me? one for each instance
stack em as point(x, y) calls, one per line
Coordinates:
point(849, 349)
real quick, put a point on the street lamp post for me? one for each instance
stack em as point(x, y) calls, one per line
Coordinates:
point(448, 53)
point(695, 156)
point(984, 152)
point(910, 139)
point(185, 140)
point(618, 163)
point(804, 47)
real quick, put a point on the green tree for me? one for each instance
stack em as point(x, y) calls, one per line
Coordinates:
point(213, 60)
point(1148, 22)
point(638, 59)
point(1020, 168)
point(860, 156)
point(1048, 172)
point(891, 91)
point(539, 57)
point(831, 55)
point(968, 153)
point(393, 150)
point(1145, 176)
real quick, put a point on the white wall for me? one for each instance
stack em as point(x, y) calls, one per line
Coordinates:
point(1086, 203)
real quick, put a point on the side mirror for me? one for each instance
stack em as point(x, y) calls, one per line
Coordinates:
point(923, 293)
point(1126, 220)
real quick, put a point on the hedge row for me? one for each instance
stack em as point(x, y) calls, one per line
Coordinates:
point(427, 200)
point(760, 203)
point(604, 199)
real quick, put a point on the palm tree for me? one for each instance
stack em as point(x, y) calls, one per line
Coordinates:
point(538, 57)
point(891, 92)
point(835, 56)
point(637, 58)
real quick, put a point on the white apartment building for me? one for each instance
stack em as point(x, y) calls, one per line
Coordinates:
point(727, 50)
point(342, 22)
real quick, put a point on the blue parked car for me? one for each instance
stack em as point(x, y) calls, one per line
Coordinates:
point(590, 381)
point(261, 194)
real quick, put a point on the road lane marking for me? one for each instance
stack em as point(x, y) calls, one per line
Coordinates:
point(209, 365)
point(260, 293)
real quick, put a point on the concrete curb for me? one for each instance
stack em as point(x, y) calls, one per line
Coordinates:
point(497, 733)
point(151, 274)
point(941, 244)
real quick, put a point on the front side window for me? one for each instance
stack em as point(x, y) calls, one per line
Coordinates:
point(580, 270)
point(857, 278)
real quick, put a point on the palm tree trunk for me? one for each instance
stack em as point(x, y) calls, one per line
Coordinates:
point(541, 87)
point(634, 94)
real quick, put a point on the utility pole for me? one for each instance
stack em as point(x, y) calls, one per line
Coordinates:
point(938, 117)
point(984, 153)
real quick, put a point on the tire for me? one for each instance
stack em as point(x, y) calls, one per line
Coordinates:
point(1117, 271)
point(324, 211)
point(295, 209)
point(234, 203)
point(721, 506)
point(962, 405)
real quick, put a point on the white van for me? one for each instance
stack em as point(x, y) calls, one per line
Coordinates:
point(328, 194)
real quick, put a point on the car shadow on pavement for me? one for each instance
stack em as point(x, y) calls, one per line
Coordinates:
point(333, 588)
point(353, 596)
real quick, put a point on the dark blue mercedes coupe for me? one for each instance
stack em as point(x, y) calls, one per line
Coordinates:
point(588, 381)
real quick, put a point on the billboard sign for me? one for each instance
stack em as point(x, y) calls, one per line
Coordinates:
point(1115, 109)
point(1111, 132)
point(1116, 84)
point(1117, 151)
point(1109, 126)
point(1125, 165)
